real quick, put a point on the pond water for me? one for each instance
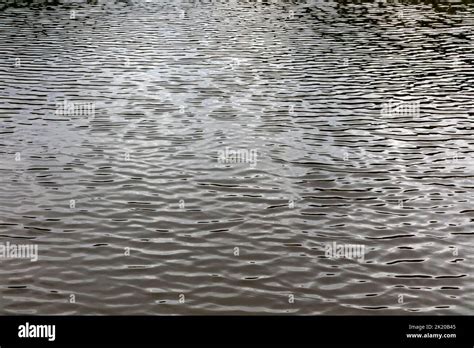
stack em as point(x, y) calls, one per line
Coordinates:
point(237, 157)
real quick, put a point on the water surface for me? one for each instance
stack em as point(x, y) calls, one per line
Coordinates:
point(158, 225)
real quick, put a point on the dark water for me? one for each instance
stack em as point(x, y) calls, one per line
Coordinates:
point(159, 225)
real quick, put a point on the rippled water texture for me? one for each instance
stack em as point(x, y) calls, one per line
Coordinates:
point(135, 211)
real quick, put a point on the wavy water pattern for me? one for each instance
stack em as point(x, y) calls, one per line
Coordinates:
point(159, 224)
